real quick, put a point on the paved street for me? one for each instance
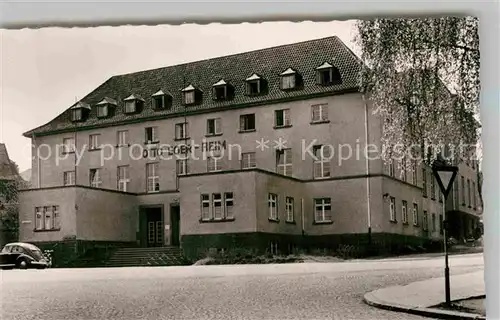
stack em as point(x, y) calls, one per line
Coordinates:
point(294, 291)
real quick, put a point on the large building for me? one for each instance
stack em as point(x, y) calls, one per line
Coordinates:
point(227, 152)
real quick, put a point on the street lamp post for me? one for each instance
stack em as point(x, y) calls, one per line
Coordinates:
point(445, 175)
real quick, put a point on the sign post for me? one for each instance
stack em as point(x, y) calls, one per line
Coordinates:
point(445, 175)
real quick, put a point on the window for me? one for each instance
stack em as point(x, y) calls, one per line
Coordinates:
point(189, 97)
point(76, 114)
point(55, 215)
point(153, 179)
point(205, 207)
point(282, 118)
point(424, 221)
point(404, 212)
point(284, 162)
point(326, 74)
point(392, 209)
point(474, 198)
point(463, 190)
point(289, 207)
point(123, 178)
point(48, 218)
point(181, 130)
point(130, 106)
point(69, 178)
point(182, 167)
point(217, 206)
point(151, 134)
point(414, 172)
point(94, 142)
point(248, 160)
point(38, 218)
point(288, 81)
point(222, 91)
point(415, 214)
point(68, 145)
point(322, 210)
point(319, 113)
point(95, 178)
point(213, 164)
point(247, 122)
point(102, 110)
point(228, 205)
point(255, 84)
point(433, 188)
point(214, 127)
point(122, 138)
point(273, 206)
point(391, 168)
point(321, 164)
point(433, 221)
point(424, 182)
point(468, 193)
point(403, 170)
point(161, 101)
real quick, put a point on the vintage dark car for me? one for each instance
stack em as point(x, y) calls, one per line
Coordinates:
point(23, 256)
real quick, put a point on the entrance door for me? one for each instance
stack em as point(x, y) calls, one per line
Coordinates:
point(154, 227)
point(175, 218)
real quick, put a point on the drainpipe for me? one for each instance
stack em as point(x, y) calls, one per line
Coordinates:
point(368, 205)
point(302, 218)
point(38, 166)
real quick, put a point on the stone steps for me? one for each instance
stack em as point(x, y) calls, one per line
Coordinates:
point(155, 256)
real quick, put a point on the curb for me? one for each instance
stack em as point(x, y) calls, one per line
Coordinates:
point(370, 299)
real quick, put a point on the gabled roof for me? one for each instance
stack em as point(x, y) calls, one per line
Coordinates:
point(188, 88)
point(253, 77)
point(7, 168)
point(159, 93)
point(221, 82)
point(81, 104)
point(288, 72)
point(133, 97)
point(107, 100)
point(304, 57)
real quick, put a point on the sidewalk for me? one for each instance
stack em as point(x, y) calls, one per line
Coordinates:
point(421, 297)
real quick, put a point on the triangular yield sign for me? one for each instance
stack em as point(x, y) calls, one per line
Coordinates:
point(445, 177)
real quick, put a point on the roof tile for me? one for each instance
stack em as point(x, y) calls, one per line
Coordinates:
point(304, 57)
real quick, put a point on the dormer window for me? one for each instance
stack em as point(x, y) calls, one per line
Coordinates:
point(222, 90)
point(327, 74)
point(104, 108)
point(191, 95)
point(256, 85)
point(79, 111)
point(161, 100)
point(290, 79)
point(76, 114)
point(133, 104)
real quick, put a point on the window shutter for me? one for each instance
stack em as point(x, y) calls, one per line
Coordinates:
point(318, 77)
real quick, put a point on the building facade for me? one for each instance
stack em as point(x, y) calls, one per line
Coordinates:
point(262, 149)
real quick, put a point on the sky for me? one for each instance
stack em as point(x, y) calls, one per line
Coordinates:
point(44, 71)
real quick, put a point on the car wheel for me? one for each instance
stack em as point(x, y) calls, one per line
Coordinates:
point(22, 264)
